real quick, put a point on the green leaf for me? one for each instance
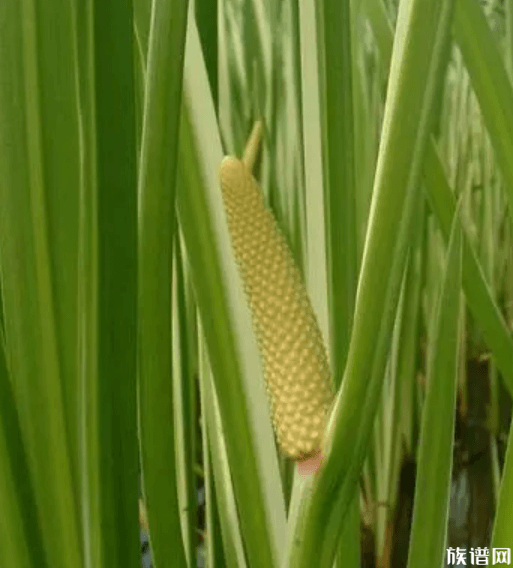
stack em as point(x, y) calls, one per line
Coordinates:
point(157, 179)
point(206, 18)
point(503, 523)
point(39, 177)
point(20, 535)
point(433, 482)
point(184, 402)
point(335, 83)
point(477, 292)
point(226, 323)
point(221, 477)
point(316, 254)
point(480, 301)
point(422, 33)
point(107, 284)
point(491, 83)
point(509, 36)
point(337, 134)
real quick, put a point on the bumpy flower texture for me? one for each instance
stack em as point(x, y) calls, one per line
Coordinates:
point(296, 367)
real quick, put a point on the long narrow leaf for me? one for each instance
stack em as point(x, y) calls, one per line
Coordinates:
point(478, 295)
point(433, 483)
point(480, 301)
point(503, 523)
point(157, 178)
point(213, 431)
point(38, 134)
point(316, 254)
point(334, 44)
point(20, 536)
point(232, 350)
point(421, 36)
point(107, 284)
point(491, 83)
point(184, 413)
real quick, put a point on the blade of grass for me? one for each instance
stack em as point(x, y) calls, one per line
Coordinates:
point(348, 552)
point(490, 81)
point(480, 301)
point(157, 177)
point(341, 217)
point(411, 334)
point(422, 33)
point(298, 198)
point(331, 241)
point(20, 535)
point(214, 552)
point(39, 132)
point(336, 86)
point(381, 28)
point(87, 309)
point(206, 19)
point(503, 523)
point(316, 254)
point(225, 101)
point(478, 294)
point(211, 301)
point(61, 173)
point(433, 482)
point(285, 158)
point(232, 349)
point(184, 407)
point(221, 478)
point(142, 23)
point(509, 37)
point(107, 284)
point(404, 342)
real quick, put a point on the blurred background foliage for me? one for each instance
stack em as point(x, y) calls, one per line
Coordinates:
point(129, 371)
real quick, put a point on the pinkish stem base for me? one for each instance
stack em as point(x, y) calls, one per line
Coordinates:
point(310, 465)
